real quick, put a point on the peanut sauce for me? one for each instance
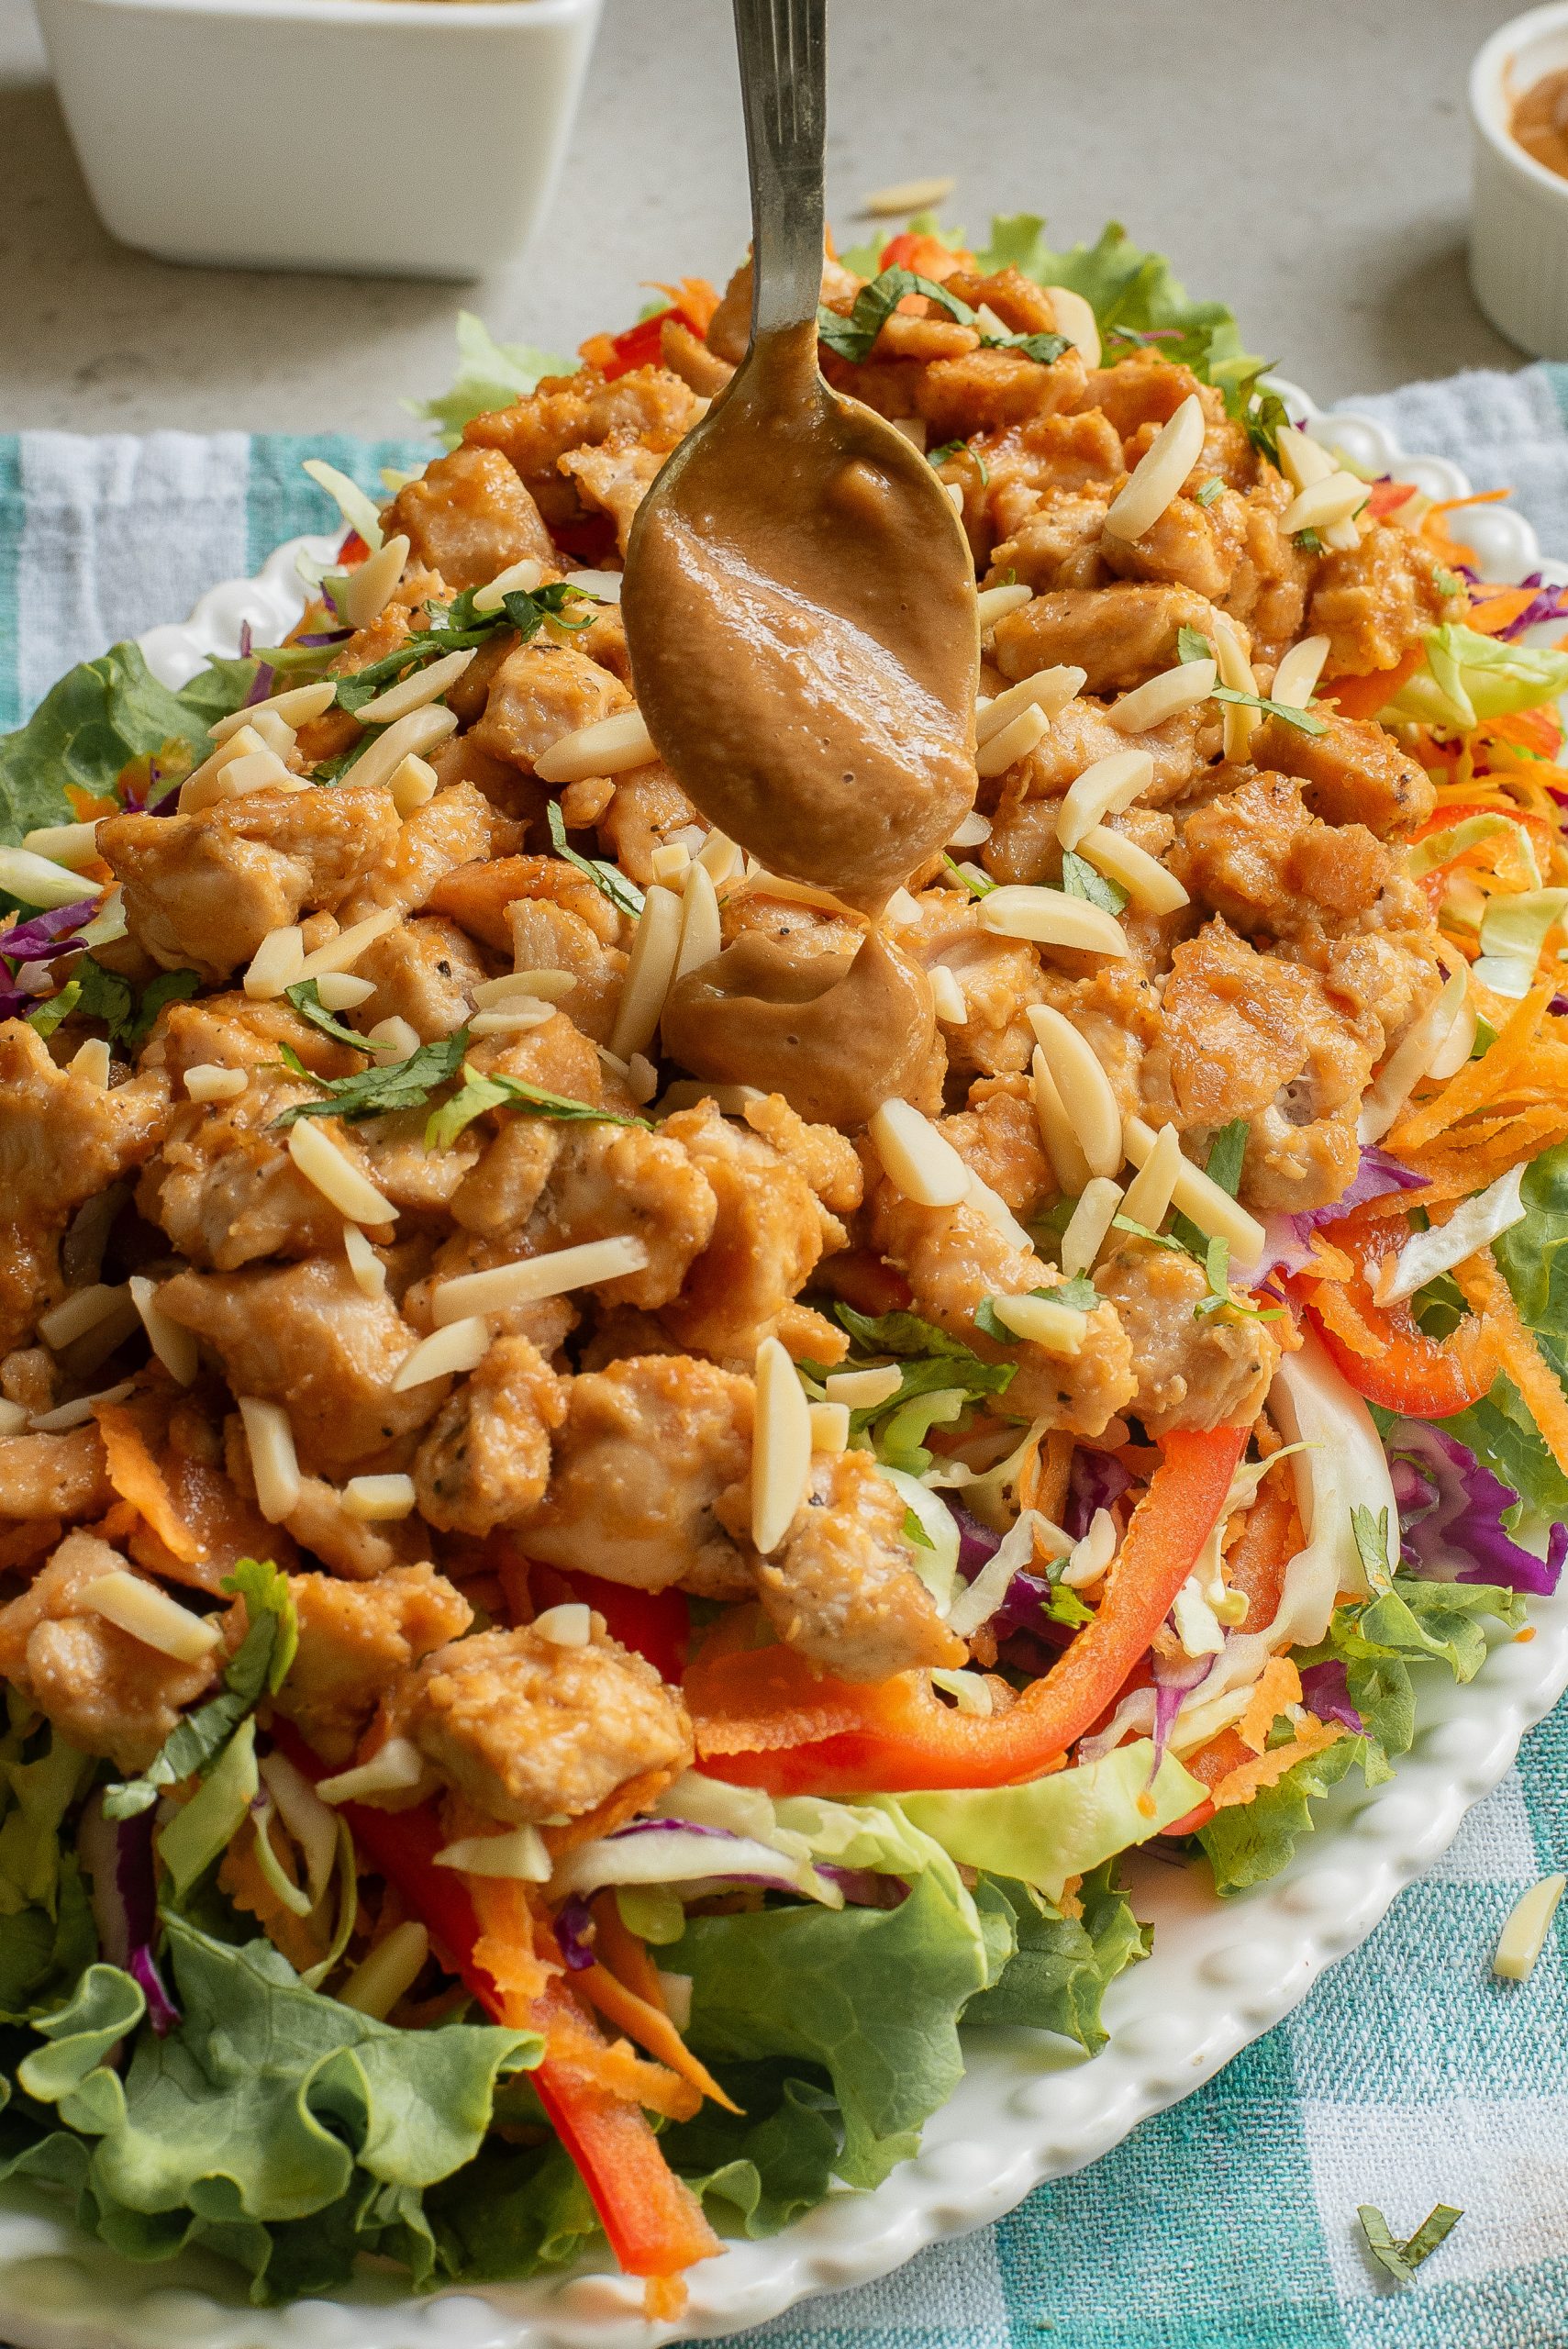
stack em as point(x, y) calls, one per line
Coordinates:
point(804, 646)
point(1540, 121)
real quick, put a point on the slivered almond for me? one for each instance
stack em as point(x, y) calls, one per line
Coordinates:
point(391, 1769)
point(701, 936)
point(546, 986)
point(1061, 1144)
point(340, 991)
point(830, 1427)
point(519, 578)
point(780, 1456)
point(341, 953)
point(377, 1500)
point(1075, 319)
point(1012, 743)
point(1055, 1328)
point(367, 591)
point(1108, 787)
point(1151, 1189)
point(994, 604)
point(1089, 1224)
point(208, 1081)
point(462, 1345)
point(297, 705)
point(274, 1463)
point(1303, 460)
point(1299, 672)
point(91, 1062)
point(321, 1163)
point(610, 746)
point(368, 1272)
point(1145, 879)
point(1240, 724)
point(918, 1161)
point(1198, 1196)
point(1051, 917)
point(655, 948)
point(1083, 1086)
point(276, 964)
point(412, 785)
point(427, 684)
point(405, 738)
point(862, 1390)
point(952, 1009)
point(502, 1286)
point(1323, 503)
point(1164, 696)
point(72, 1318)
point(1048, 689)
point(1157, 478)
point(175, 1346)
point(150, 1616)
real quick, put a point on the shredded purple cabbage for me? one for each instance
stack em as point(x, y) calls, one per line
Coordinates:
point(1551, 604)
point(1324, 1691)
point(162, 2011)
point(136, 1897)
point(1289, 1249)
point(1173, 1680)
point(1022, 1608)
point(1096, 1480)
point(31, 940)
point(1450, 1510)
point(260, 685)
point(668, 1826)
point(573, 1930)
point(326, 635)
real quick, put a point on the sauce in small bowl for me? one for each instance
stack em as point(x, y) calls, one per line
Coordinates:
point(1540, 121)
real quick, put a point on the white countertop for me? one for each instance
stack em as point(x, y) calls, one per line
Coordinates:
point(1311, 167)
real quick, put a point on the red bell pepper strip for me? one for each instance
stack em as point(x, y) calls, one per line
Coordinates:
point(1381, 1350)
point(656, 1623)
point(895, 1736)
point(653, 2221)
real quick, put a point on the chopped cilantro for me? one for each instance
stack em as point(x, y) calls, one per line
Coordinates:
point(377, 1092)
point(1079, 1292)
point(1210, 491)
point(1156, 1239)
point(1079, 879)
point(951, 449)
point(98, 993)
point(1193, 645)
point(1447, 583)
point(624, 895)
point(1259, 412)
point(851, 337)
point(1302, 720)
point(1080, 1295)
point(169, 987)
point(1309, 543)
point(458, 627)
point(498, 1091)
point(1402, 2259)
point(1371, 1542)
point(914, 1531)
point(305, 997)
point(1227, 1155)
point(1065, 1605)
point(978, 883)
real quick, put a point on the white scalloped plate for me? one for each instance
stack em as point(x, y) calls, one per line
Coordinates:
point(1029, 2107)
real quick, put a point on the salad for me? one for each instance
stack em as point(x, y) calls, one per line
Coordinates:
point(566, 1621)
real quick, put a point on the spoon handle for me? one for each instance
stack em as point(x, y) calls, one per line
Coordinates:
point(784, 56)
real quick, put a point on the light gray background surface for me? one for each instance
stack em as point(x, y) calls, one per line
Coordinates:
point(1308, 164)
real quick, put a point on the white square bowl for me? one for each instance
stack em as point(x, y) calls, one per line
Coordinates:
point(413, 138)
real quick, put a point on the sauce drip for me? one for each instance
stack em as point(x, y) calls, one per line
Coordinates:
point(1540, 121)
point(801, 620)
point(838, 1034)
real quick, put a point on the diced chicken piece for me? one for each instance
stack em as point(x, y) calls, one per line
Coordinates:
point(349, 1546)
point(532, 1732)
point(354, 1639)
point(842, 1590)
point(518, 1152)
point(609, 1179)
point(1024, 846)
point(516, 796)
point(615, 478)
point(686, 355)
point(541, 692)
point(1191, 1373)
point(1122, 636)
point(1245, 1035)
point(1273, 577)
point(468, 517)
point(219, 1510)
point(1117, 1011)
point(105, 1692)
point(305, 1336)
point(1376, 602)
point(63, 1140)
point(456, 828)
point(826, 1157)
point(647, 810)
point(1354, 772)
point(424, 972)
point(486, 1461)
point(953, 1259)
point(1179, 746)
point(570, 412)
point(1058, 544)
point(651, 1445)
point(999, 978)
point(1258, 857)
point(1142, 389)
point(546, 1323)
point(770, 1233)
point(1193, 545)
point(202, 891)
point(985, 391)
point(1046, 457)
point(53, 1476)
point(998, 1137)
point(479, 899)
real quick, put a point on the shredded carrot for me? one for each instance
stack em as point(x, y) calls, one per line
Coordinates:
point(619, 1950)
point(1279, 1685)
point(1478, 1082)
point(1250, 1778)
point(1486, 1292)
point(694, 296)
point(137, 1477)
point(614, 2067)
point(1336, 1313)
point(1329, 1262)
point(1494, 612)
point(650, 2027)
point(506, 1944)
point(1365, 696)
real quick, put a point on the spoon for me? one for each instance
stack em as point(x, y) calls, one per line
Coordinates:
point(800, 593)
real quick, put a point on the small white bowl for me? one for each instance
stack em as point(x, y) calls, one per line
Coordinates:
point(413, 138)
point(1518, 237)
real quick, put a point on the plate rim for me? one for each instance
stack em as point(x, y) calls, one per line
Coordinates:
point(61, 2290)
